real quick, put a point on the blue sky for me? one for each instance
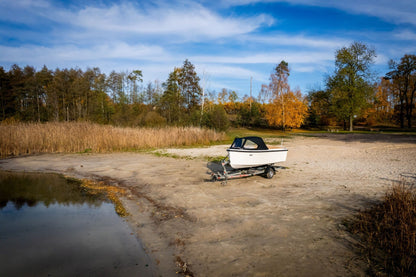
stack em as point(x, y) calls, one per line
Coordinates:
point(228, 41)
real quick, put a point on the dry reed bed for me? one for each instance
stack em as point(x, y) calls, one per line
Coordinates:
point(72, 137)
point(387, 232)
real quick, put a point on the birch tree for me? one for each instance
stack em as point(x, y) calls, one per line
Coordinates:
point(286, 108)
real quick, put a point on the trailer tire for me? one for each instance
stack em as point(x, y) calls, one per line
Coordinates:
point(269, 172)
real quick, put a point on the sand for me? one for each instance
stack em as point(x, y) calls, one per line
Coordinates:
point(290, 225)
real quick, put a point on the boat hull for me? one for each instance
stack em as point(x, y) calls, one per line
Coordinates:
point(242, 158)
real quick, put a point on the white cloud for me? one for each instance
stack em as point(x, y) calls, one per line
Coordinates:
point(33, 54)
point(224, 71)
point(399, 11)
point(304, 68)
point(298, 40)
point(156, 36)
point(179, 20)
point(270, 58)
point(24, 11)
point(189, 21)
point(405, 35)
point(381, 59)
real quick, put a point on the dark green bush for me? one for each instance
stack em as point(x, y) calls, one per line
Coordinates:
point(216, 119)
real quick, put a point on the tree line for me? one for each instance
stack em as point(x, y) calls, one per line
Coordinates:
point(351, 97)
point(118, 98)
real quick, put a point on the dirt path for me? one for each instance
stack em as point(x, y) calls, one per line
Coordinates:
point(286, 226)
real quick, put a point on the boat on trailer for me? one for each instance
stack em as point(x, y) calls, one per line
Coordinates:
point(248, 156)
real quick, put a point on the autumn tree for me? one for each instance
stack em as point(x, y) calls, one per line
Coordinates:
point(350, 86)
point(292, 108)
point(380, 108)
point(285, 108)
point(278, 88)
point(403, 75)
point(228, 98)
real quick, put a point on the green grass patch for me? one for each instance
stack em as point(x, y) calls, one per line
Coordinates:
point(170, 155)
point(264, 133)
point(215, 159)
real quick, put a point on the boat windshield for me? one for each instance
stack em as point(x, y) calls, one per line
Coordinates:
point(238, 143)
point(250, 143)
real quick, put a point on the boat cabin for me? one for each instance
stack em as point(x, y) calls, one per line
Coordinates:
point(249, 143)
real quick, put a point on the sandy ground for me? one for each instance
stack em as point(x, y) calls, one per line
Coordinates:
point(290, 225)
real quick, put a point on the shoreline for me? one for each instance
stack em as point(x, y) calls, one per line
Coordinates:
point(289, 225)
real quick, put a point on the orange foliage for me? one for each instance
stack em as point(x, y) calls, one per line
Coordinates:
point(381, 110)
point(227, 99)
point(290, 111)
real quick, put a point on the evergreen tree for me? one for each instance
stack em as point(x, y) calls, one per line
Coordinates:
point(172, 101)
point(189, 86)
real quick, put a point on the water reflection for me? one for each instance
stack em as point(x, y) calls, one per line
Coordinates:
point(31, 188)
point(49, 226)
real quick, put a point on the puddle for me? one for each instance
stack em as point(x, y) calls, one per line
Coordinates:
point(49, 226)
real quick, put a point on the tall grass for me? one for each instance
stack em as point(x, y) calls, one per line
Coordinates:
point(71, 137)
point(387, 232)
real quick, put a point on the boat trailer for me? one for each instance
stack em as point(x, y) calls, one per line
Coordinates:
point(267, 170)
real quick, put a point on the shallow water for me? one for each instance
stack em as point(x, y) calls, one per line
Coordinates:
point(51, 227)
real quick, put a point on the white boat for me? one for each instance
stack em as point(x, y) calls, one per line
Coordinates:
point(250, 152)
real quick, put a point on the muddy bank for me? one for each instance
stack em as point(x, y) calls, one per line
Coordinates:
point(286, 226)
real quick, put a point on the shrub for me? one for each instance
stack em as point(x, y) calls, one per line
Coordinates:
point(153, 119)
point(216, 119)
point(387, 232)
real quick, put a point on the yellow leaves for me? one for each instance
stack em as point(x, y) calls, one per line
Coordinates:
point(286, 108)
point(287, 111)
point(112, 192)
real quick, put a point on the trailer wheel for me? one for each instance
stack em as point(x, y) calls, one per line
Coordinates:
point(269, 172)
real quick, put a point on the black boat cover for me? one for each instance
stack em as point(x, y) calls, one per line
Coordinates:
point(241, 143)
